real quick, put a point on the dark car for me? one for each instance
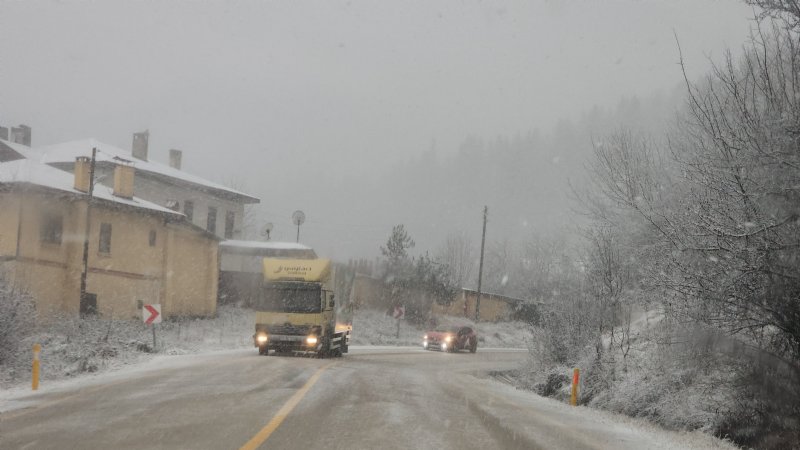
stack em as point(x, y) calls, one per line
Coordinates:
point(451, 339)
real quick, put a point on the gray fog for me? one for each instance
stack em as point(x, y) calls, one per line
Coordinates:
point(363, 114)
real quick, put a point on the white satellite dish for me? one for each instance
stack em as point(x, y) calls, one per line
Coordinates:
point(298, 217)
point(266, 229)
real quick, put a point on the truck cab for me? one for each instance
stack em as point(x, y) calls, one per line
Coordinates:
point(296, 310)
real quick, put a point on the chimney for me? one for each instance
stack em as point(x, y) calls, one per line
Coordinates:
point(82, 168)
point(139, 149)
point(123, 180)
point(175, 157)
point(21, 135)
point(4, 133)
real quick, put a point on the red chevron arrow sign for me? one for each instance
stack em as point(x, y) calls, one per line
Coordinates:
point(151, 314)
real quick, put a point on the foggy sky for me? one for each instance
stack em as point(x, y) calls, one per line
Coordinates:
point(288, 100)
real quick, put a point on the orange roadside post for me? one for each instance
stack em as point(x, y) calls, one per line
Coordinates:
point(576, 378)
point(35, 372)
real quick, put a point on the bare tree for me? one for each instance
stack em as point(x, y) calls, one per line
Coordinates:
point(457, 255)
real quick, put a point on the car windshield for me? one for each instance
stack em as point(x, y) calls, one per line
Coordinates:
point(399, 224)
point(449, 329)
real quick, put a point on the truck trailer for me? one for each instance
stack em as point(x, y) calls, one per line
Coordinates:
point(304, 307)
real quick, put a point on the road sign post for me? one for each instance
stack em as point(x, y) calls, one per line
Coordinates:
point(151, 315)
point(399, 313)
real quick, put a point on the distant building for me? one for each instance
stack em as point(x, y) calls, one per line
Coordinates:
point(494, 307)
point(212, 206)
point(139, 251)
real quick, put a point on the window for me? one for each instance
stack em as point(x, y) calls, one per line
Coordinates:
point(211, 225)
point(173, 205)
point(51, 228)
point(230, 218)
point(152, 238)
point(105, 238)
point(188, 210)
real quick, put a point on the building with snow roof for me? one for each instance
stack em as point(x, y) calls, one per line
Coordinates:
point(212, 206)
point(140, 252)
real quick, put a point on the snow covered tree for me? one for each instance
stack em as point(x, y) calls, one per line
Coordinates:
point(397, 246)
point(457, 257)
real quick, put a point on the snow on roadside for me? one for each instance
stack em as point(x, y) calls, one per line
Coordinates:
point(72, 347)
point(371, 327)
point(582, 423)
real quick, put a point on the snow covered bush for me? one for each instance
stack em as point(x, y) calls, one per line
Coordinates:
point(17, 320)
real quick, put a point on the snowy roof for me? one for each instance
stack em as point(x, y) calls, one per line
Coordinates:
point(272, 245)
point(266, 249)
point(32, 172)
point(67, 152)
point(22, 150)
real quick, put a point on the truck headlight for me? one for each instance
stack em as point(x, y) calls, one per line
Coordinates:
point(425, 344)
point(444, 346)
point(448, 338)
point(311, 340)
point(261, 338)
point(425, 337)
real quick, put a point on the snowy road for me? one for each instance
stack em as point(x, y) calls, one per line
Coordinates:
point(372, 398)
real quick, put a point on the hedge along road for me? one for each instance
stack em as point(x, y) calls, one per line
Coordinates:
point(371, 398)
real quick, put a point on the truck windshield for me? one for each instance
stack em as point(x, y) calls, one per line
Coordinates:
point(294, 298)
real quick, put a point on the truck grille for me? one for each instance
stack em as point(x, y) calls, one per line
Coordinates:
point(288, 329)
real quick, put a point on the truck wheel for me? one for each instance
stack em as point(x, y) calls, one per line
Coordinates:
point(324, 350)
point(473, 347)
point(263, 350)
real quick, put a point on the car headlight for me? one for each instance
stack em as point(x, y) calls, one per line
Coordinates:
point(311, 340)
point(448, 338)
point(261, 338)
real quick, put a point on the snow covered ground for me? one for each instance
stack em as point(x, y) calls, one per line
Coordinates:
point(72, 347)
point(377, 328)
point(444, 399)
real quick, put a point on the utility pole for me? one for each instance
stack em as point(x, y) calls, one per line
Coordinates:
point(85, 268)
point(480, 266)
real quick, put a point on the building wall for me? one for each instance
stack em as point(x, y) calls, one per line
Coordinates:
point(160, 193)
point(493, 308)
point(8, 223)
point(192, 274)
point(131, 273)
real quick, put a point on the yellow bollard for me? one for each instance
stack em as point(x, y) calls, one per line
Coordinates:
point(35, 383)
point(576, 378)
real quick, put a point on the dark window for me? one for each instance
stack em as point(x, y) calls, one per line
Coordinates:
point(152, 238)
point(188, 210)
point(211, 225)
point(230, 217)
point(173, 205)
point(51, 228)
point(105, 238)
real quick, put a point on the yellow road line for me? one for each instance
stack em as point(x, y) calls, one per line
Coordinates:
point(287, 408)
